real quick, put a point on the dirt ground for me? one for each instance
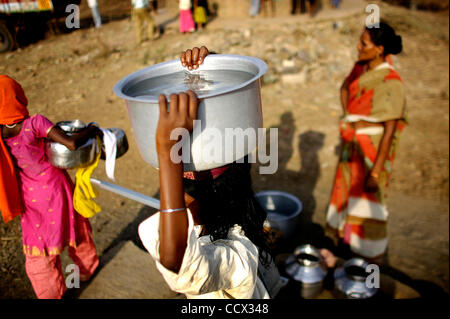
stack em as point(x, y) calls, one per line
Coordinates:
point(71, 76)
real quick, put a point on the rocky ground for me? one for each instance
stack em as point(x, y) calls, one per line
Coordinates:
point(69, 76)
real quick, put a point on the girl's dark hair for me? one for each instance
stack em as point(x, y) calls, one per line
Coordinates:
point(229, 200)
point(385, 35)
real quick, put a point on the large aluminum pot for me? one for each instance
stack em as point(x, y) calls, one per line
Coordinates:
point(350, 280)
point(282, 210)
point(60, 156)
point(221, 107)
point(307, 267)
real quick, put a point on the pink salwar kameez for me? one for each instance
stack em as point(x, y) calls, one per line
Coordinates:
point(49, 222)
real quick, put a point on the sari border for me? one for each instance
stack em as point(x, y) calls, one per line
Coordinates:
point(50, 251)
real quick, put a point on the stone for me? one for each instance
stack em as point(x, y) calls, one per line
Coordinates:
point(288, 67)
point(269, 78)
point(305, 56)
point(131, 274)
point(295, 78)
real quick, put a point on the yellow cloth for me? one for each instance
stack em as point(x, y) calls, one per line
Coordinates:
point(200, 15)
point(84, 194)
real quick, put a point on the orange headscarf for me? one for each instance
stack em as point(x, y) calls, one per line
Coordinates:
point(13, 109)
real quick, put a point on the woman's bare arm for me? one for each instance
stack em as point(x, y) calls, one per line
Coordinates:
point(72, 142)
point(383, 151)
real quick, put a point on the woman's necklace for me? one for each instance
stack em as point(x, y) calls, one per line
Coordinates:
point(11, 126)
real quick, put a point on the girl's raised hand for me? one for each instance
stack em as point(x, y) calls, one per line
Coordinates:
point(193, 58)
point(173, 228)
point(181, 114)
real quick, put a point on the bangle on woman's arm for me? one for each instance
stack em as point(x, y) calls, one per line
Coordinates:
point(172, 210)
point(376, 175)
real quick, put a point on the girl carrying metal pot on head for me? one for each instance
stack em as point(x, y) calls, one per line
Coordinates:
point(208, 239)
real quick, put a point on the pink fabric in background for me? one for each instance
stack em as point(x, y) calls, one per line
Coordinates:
point(186, 21)
point(48, 223)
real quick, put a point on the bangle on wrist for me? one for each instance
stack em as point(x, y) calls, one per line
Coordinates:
point(172, 210)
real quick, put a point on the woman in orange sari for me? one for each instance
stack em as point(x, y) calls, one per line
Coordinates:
point(373, 100)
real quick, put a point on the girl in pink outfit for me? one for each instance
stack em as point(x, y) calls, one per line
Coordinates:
point(186, 20)
point(48, 219)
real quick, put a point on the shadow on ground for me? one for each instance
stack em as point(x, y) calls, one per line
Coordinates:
point(302, 185)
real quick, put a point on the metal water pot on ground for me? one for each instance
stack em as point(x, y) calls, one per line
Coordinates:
point(351, 280)
point(307, 267)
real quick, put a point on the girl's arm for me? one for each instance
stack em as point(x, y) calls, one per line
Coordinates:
point(383, 151)
point(72, 142)
point(182, 112)
point(173, 225)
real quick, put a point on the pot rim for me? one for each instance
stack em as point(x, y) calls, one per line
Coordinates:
point(308, 249)
point(260, 64)
point(288, 195)
point(358, 262)
point(71, 126)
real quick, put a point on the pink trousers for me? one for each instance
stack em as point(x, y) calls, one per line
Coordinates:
point(45, 272)
point(186, 21)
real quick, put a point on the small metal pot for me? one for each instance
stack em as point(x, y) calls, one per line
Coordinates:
point(307, 267)
point(122, 143)
point(350, 280)
point(60, 156)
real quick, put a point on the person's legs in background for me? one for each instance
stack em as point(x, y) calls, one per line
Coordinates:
point(311, 7)
point(255, 6)
point(150, 25)
point(303, 6)
point(96, 16)
point(335, 3)
point(137, 16)
point(264, 8)
point(293, 6)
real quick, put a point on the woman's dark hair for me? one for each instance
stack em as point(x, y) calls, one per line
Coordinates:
point(384, 35)
point(229, 200)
